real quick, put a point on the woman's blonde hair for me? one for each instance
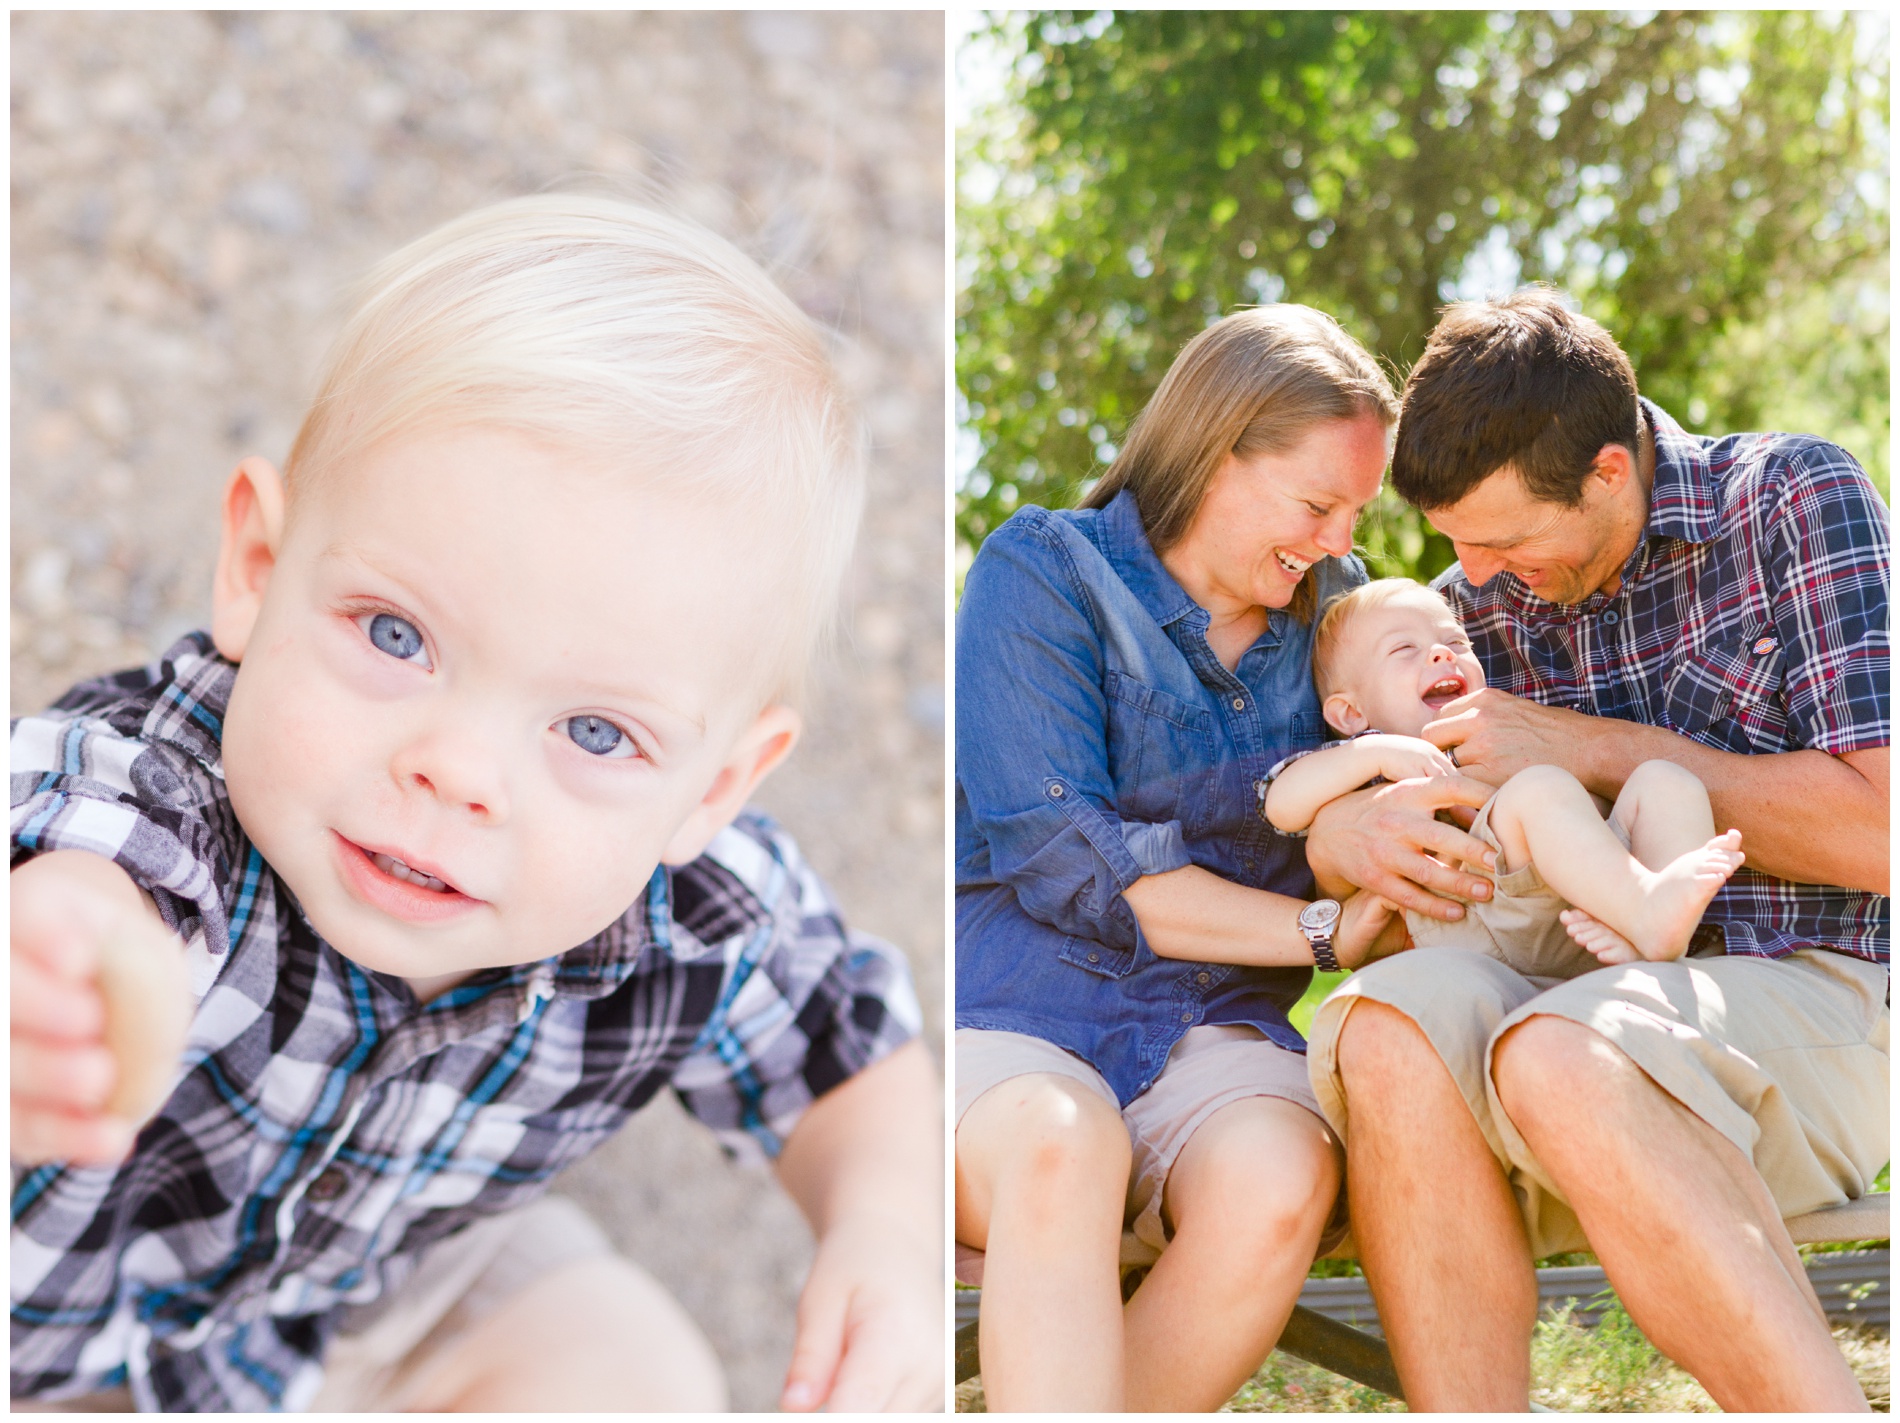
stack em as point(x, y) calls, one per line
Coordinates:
point(1252, 383)
point(628, 334)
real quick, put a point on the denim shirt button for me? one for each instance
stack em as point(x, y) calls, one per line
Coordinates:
point(1240, 704)
point(1187, 1017)
point(1202, 977)
point(1094, 957)
point(1055, 793)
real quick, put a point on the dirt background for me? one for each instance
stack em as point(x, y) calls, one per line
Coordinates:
point(192, 193)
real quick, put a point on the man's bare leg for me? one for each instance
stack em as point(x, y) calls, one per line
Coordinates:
point(1248, 1196)
point(1042, 1176)
point(1683, 1224)
point(1437, 1227)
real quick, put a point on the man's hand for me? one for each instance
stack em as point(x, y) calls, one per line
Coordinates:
point(1496, 735)
point(100, 1007)
point(1382, 840)
point(865, 1164)
point(870, 1324)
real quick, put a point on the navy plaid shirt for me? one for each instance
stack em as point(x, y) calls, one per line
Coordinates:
point(324, 1127)
point(1752, 617)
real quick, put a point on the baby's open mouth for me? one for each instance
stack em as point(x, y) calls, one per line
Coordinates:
point(392, 866)
point(1445, 689)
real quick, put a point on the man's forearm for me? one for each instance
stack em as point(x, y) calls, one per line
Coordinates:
point(1805, 816)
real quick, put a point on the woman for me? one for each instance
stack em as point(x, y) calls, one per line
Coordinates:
point(1128, 942)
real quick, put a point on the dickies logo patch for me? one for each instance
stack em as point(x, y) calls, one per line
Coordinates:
point(1763, 646)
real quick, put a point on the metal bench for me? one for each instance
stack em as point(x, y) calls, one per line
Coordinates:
point(1363, 1357)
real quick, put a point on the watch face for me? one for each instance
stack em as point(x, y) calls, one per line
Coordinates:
point(1321, 914)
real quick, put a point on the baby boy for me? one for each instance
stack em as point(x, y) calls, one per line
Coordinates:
point(437, 841)
point(1573, 891)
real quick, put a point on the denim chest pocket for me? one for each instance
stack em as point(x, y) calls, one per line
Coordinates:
point(1728, 694)
point(1160, 754)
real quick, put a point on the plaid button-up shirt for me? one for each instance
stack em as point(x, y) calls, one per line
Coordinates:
point(1752, 617)
point(205, 1271)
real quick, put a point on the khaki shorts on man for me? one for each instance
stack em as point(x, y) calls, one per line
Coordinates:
point(1786, 1058)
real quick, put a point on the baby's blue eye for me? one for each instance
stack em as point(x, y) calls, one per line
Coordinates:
point(599, 737)
point(396, 636)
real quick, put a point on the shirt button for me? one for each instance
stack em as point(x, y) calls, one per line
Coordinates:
point(328, 1185)
point(1055, 793)
point(1094, 957)
point(1611, 617)
point(1240, 704)
point(1203, 977)
point(1187, 1017)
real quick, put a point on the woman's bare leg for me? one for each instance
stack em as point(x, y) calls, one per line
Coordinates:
point(1249, 1195)
point(1042, 1177)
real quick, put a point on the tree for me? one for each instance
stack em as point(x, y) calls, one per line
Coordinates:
point(1685, 176)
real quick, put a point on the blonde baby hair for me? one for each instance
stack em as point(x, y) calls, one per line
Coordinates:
point(630, 335)
point(1338, 616)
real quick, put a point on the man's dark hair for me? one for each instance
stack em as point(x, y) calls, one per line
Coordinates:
point(1520, 382)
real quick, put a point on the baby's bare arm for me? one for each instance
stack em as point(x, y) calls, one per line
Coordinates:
point(1299, 791)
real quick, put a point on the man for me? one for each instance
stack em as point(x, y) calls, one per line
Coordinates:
point(1634, 593)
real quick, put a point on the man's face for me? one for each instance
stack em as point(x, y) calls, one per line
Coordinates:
point(1561, 554)
point(487, 690)
point(1399, 664)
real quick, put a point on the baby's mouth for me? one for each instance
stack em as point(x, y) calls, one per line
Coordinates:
point(396, 869)
point(1445, 689)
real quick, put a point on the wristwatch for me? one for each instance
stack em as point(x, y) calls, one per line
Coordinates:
point(1317, 922)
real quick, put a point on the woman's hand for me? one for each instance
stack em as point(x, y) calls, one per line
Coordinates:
point(1370, 927)
point(1383, 841)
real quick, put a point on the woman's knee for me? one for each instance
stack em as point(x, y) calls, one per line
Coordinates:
point(1047, 1137)
point(1263, 1182)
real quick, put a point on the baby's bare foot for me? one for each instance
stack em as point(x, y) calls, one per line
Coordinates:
point(1679, 892)
point(1599, 938)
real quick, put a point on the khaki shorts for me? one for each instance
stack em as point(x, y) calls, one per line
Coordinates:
point(1209, 1068)
point(381, 1350)
point(1786, 1058)
point(1518, 925)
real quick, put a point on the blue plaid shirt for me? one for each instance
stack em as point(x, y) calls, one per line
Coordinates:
point(1752, 617)
point(324, 1127)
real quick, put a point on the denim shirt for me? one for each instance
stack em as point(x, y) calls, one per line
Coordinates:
point(1099, 739)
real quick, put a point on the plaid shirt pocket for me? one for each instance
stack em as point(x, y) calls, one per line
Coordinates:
point(1727, 694)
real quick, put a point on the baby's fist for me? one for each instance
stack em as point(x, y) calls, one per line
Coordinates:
point(100, 1008)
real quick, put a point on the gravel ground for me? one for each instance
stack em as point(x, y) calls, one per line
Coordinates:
point(192, 192)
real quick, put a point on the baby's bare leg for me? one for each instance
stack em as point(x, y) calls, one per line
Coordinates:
point(1544, 816)
point(1665, 812)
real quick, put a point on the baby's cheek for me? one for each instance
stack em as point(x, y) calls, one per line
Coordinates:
point(589, 873)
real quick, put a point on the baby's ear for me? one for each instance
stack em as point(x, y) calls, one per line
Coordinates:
point(767, 742)
point(1342, 716)
point(247, 552)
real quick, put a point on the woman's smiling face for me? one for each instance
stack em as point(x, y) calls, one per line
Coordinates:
point(1267, 518)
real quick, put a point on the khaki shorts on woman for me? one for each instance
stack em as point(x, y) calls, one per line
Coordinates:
point(1210, 1067)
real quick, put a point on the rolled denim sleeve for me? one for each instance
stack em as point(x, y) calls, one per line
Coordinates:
point(1032, 741)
